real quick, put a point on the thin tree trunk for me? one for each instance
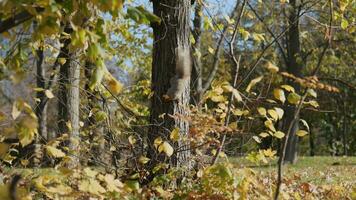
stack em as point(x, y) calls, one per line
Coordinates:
point(196, 78)
point(294, 66)
point(41, 107)
point(73, 103)
point(63, 83)
point(172, 32)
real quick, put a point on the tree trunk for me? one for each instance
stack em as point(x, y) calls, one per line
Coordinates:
point(172, 32)
point(73, 103)
point(196, 78)
point(294, 66)
point(41, 107)
point(68, 99)
point(63, 83)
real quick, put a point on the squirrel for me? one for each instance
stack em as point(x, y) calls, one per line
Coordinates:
point(182, 73)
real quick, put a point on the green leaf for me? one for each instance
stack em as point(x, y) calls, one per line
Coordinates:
point(344, 23)
point(98, 74)
point(293, 98)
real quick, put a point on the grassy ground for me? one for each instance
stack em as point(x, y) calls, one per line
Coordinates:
point(315, 170)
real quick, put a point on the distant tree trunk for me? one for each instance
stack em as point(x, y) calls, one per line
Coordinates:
point(63, 83)
point(198, 85)
point(172, 32)
point(196, 78)
point(41, 107)
point(68, 99)
point(294, 66)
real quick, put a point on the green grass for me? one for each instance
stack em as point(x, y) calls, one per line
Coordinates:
point(315, 170)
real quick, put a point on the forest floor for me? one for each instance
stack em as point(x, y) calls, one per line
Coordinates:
point(318, 170)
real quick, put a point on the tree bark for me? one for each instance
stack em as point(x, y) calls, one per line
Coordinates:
point(196, 83)
point(63, 83)
point(68, 98)
point(294, 66)
point(41, 106)
point(172, 32)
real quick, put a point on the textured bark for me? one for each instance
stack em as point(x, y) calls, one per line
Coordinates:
point(63, 83)
point(68, 98)
point(196, 78)
point(41, 106)
point(294, 66)
point(172, 32)
point(73, 103)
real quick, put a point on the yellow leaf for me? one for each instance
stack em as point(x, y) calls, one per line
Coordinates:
point(237, 95)
point(218, 98)
point(279, 95)
point(167, 148)
point(54, 152)
point(15, 111)
point(301, 133)
point(49, 94)
point(269, 152)
point(211, 50)
point(62, 61)
point(257, 139)
point(253, 83)
point(114, 86)
point(237, 112)
point(27, 130)
point(312, 93)
point(132, 140)
point(174, 136)
point(262, 111)
point(273, 114)
point(279, 134)
point(263, 134)
point(280, 112)
point(272, 68)
point(269, 124)
point(143, 160)
point(157, 142)
point(89, 172)
point(4, 148)
point(92, 186)
point(288, 88)
point(112, 184)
